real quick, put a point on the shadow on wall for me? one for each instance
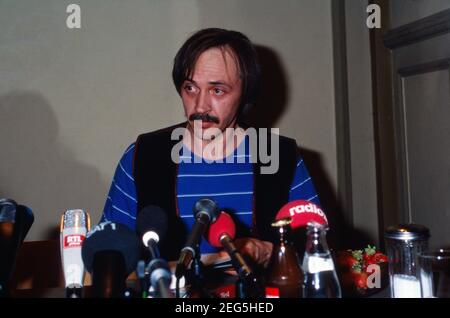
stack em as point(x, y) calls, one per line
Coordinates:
point(270, 106)
point(274, 91)
point(36, 169)
point(341, 234)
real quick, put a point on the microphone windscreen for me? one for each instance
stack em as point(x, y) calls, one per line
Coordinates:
point(15, 221)
point(19, 216)
point(8, 210)
point(108, 236)
point(26, 218)
point(223, 225)
point(152, 218)
point(302, 212)
point(209, 206)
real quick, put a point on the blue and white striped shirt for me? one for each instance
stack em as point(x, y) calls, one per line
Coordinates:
point(229, 184)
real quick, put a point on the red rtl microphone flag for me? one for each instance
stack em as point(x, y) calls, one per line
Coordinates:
point(302, 212)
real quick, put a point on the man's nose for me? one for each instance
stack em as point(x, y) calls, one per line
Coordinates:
point(203, 102)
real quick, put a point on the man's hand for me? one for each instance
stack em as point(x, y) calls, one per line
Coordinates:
point(259, 251)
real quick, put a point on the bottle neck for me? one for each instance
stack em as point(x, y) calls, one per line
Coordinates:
point(316, 242)
point(283, 231)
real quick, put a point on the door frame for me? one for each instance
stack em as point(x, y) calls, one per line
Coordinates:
point(412, 33)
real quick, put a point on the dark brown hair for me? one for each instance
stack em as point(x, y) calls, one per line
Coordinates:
point(205, 39)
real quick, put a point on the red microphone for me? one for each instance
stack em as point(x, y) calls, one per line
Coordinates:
point(221, 234)
point(302, 212)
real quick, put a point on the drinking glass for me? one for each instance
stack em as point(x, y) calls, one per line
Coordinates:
point(435, 274)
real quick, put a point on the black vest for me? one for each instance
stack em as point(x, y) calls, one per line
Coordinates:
point(155, 176)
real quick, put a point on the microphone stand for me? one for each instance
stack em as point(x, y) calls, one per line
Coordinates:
point(248, 287)
point(195, 275)
point(74, 292)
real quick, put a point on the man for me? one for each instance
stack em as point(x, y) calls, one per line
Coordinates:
point(216, 73)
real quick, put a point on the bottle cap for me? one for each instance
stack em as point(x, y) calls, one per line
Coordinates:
point(407, 232)
point(282, 222)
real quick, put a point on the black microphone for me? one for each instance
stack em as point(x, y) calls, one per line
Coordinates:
point(205, 212)
point(20, 215)
point(160, 278)
point(25, 218)
point(151, 226)
point(110, 253)
point(15, 222)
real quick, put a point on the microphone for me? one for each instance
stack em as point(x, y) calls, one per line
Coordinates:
point(24, 217)
point(302, 212)
point(74, 226)
point(110, 253)
point(15, 222)
point(205, 212)
point(221, 234)
point(160, 278)
point(151, 226)
point(12, 213)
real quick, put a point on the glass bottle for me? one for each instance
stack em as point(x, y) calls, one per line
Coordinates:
point(285, 276)
point(321, 280)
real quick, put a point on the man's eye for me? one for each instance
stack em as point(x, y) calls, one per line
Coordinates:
point(218, 91)
point(189, 88)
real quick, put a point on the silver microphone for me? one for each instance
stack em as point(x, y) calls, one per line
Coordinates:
point(74, 226)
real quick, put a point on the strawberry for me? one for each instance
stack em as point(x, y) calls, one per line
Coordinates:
point(371, 256)
point(368, 255)
point(380, 258)
point(351, 280)
point(370, 250)
point(353, 265)
point(347, 262)
point(357, 254)
point(360, 280)
point(367, 260)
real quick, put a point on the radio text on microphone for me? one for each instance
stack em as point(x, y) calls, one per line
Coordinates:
point(310, 208)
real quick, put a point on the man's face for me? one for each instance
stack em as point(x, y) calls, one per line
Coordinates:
point(213, 93)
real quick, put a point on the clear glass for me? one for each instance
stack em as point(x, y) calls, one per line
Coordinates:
point(434, 271)
point(321, 280)
point(403, 266)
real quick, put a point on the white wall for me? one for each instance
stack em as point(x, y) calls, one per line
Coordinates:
point(361, 121)
point(72, 100)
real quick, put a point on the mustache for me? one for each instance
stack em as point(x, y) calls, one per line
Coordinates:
point(204, 117)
